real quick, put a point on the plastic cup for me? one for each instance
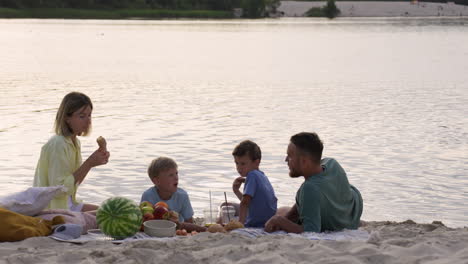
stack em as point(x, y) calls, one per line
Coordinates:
point(210, 216)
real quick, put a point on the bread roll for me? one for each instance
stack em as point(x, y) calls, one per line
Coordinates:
point(233, 225)
point(216, 228)
point(102, 143)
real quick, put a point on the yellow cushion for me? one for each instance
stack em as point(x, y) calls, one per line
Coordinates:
point(16, 227)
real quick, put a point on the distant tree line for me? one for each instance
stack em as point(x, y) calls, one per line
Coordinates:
point(121, 4)
point(459, 2)
point(251, 8)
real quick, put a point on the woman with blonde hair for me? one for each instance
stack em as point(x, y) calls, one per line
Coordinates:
point(60, 161)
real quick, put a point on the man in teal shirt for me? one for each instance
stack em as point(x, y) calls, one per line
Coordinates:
point(325, 201)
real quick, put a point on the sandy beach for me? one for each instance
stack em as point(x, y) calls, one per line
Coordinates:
point(389, 242)
point(379, 9)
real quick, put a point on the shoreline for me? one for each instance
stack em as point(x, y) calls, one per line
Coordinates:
point(389, 242)
point(286, 9)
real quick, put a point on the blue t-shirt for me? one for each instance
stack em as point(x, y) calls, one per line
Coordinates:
point(263, 203)
point(179, 202)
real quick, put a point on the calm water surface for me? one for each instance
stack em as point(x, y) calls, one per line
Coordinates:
point(388, 97)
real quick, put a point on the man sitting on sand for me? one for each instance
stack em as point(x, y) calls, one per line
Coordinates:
point(325, 201)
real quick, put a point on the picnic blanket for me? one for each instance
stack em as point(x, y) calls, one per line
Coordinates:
point(348, 235)
point(345, 235)
point(97, 235)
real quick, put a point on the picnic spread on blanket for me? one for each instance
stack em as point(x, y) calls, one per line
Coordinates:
point(23, 215)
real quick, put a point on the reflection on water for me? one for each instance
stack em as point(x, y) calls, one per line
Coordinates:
point(387, 96)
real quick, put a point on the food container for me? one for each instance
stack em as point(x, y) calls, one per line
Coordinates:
point(160, 228)
point(228, 213)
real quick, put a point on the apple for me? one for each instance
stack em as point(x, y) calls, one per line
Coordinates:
point(159, 212)
point(148, 216)
point(147, 209)
point(171, 216)
point(145, 203)
point(161, 203)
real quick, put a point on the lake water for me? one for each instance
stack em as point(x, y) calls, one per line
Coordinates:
point(389, 98)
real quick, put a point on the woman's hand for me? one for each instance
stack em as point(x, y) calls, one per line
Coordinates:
point(98, 158)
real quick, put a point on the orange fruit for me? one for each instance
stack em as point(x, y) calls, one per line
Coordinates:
point(163, 204)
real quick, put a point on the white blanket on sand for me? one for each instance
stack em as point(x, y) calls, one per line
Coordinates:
point(348, 235)
point(345, 235)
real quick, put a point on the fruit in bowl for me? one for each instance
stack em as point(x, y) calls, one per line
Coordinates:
point(161, 203)
point(171, 216)
point(145, 204)
point(159, 212)
point(147, 209)
point(148, 216)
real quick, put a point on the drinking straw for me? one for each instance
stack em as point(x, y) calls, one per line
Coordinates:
point(227, 207)
point(211, 215)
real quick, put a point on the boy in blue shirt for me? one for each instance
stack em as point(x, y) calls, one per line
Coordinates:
point(258, 202)
point(165, 177)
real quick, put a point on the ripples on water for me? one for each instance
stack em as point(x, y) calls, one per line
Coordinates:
point(387, 96)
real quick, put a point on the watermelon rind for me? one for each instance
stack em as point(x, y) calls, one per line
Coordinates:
point(119, 217)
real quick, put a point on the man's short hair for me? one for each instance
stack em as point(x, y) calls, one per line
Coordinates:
point(248, 147)
point(159, 165)
point(310, 144)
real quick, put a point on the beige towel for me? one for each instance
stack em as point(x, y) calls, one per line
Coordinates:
point(86, 220)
